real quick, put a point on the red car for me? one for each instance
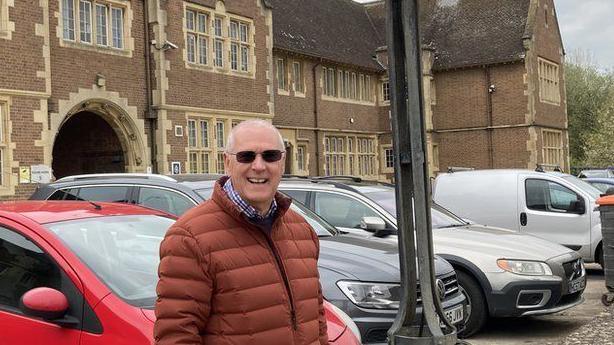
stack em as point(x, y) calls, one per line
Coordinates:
point(85, 273)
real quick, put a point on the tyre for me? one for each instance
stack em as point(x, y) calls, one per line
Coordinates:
point(477, 311)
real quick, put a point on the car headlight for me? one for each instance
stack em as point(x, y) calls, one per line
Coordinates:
point(529, 268)
point(372, 295)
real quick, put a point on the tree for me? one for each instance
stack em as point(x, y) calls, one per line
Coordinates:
point(590, 111)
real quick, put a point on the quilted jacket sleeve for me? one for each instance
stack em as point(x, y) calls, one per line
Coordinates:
point(184, 290)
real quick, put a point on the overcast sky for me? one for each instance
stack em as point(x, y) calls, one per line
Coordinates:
point(586, 26)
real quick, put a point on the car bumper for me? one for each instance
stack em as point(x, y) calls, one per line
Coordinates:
point(374, 324)
point(523, 298)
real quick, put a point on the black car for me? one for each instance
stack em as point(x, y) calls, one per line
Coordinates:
point(359, 275)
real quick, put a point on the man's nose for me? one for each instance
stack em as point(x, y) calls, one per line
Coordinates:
point(258, 163)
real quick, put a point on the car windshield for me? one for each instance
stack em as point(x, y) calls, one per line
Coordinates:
point(123, 252)
point(204, 193)
point(440, 217)
point(585, 186)
point(595, 173)
point(321, 227)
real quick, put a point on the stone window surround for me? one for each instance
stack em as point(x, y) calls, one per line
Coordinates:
point(552, 148)
point(384, 162)
point(7, 27)
point(7, 179)
point(216, 152)
point(282, 84)
point(302, 145)
point(383, 92)
point(128, 40)
point(340, 87)
point(220, 12)
point(351, 155)
point(300, 66)
point(549, 81)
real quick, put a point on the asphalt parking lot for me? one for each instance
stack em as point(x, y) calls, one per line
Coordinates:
point(572, 326)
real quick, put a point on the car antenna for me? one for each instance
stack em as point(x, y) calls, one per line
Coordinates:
point(96, 206)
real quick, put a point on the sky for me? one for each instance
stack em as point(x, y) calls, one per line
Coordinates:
point(587, 26)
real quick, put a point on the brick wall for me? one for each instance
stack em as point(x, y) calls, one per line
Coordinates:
point(22, 56)
point(74, 68)
point(211, 90)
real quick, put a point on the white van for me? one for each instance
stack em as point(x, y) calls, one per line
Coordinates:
point(554, 206)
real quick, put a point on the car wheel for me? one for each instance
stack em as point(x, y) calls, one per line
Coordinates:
point(477, 312)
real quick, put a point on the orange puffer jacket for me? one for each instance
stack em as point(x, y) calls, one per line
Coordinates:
point(225, 281)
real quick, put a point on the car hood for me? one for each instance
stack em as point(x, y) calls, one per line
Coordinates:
point(495, 242)
point(366, 259)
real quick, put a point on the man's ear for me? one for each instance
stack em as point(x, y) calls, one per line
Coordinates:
point(227, 162)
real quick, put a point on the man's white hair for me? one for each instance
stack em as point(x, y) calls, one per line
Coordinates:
point(253, 123)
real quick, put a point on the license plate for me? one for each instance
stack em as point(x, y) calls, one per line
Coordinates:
point(454, 315)
point(577, 284)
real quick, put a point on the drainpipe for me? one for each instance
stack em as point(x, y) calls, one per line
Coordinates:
point(490, 90)
point(150, 114)
point(316, 115)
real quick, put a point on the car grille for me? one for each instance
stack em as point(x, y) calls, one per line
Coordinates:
point(573, 269)
point(449, 281)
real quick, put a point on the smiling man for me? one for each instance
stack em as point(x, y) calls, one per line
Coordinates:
point(242, 268)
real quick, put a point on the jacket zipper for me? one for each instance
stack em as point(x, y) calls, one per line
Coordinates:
point(285, 279)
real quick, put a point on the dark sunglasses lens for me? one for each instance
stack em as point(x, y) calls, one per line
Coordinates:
point(246, 156)
point(271, 155)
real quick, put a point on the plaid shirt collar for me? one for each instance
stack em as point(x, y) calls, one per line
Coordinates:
point(246, 208)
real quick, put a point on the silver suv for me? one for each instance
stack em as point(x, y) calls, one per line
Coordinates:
point(502, 273)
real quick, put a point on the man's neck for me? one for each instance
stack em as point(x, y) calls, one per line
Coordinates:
point(249, 210)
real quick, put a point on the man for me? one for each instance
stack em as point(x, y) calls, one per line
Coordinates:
point(242, 268)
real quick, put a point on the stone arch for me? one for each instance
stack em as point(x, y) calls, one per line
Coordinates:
point(129, 129)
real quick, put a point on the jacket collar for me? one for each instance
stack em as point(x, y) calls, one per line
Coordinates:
point(221, 198)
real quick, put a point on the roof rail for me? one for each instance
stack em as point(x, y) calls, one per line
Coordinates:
point(338, 177)
point(294, 176)
point(457, 169)
point(116, 175)
point(544, 167)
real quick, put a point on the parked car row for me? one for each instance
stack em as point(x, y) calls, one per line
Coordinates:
point(352, 268)
point(498, 272)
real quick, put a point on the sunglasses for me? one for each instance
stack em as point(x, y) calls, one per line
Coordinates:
point(268, 156)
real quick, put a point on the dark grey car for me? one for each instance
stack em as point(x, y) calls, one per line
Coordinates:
point(359, 275)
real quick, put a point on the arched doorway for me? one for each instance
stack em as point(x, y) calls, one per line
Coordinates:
point(86, 144)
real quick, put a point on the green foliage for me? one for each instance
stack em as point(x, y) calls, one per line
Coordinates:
point(590, 110)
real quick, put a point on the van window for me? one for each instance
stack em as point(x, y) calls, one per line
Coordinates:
point(542, 195)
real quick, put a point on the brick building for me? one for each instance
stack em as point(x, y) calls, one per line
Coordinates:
point(150, 85)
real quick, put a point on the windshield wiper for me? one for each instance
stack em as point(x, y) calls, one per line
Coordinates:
point(452, 226)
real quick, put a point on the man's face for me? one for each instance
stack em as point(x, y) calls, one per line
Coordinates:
point(256, 182)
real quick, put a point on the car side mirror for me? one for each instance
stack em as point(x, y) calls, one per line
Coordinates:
point(609, 191)
point(372, 223)
point(50, 305)
point(577, 206)
point(44, 302)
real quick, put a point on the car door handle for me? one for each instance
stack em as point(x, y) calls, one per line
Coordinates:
point(523, 218)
